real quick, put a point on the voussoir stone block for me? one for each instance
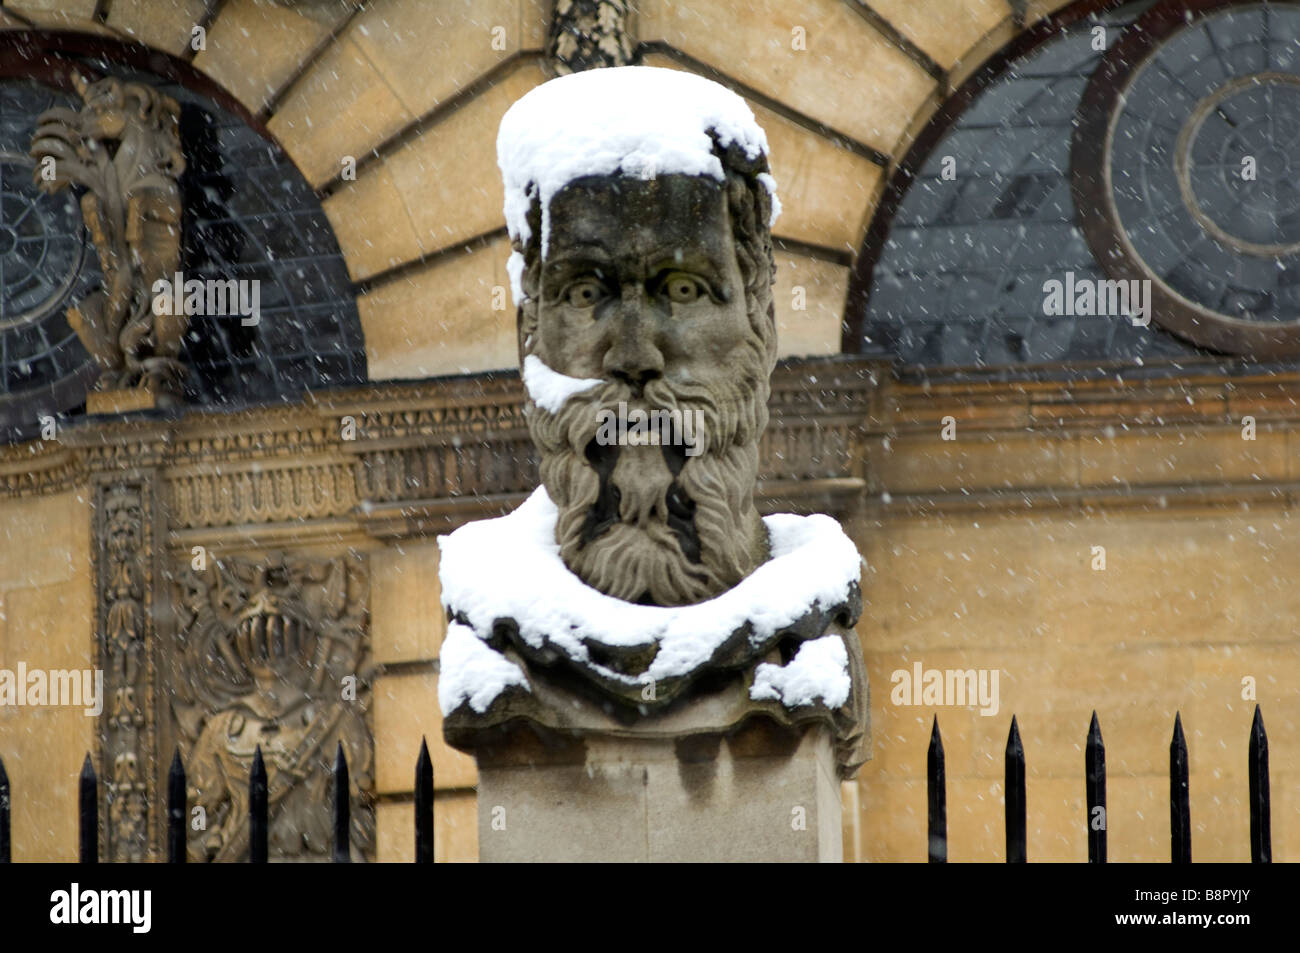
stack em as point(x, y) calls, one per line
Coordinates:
point(838, 49)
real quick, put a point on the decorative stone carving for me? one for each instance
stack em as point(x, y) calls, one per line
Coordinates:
point(638, 593)
point(274, 654)
point(586, 34)
point(124, 150)
point(325, 11)
point(125, 627)
point(456, 442)
point(230, 497)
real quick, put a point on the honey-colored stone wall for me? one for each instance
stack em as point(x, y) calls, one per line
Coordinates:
point(982, 553)
point(407, 626)
point(1190, 603)
point(46, 612)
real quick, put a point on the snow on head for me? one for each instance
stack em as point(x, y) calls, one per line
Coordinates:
point(637, 121)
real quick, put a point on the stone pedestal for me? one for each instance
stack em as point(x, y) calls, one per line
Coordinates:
point(120, 401)
point(762, 792)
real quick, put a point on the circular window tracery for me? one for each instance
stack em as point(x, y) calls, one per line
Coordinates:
point(43, 246)
point(1005, 193)
point(1193, 123)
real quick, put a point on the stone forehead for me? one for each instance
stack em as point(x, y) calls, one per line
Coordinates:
point(609, 210)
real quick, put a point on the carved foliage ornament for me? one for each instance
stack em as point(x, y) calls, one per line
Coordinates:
point(122, 152)
point(271, 654)
point(586, 34)
point(124, 580)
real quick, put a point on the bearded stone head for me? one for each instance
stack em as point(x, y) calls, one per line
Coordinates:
point(647, 338)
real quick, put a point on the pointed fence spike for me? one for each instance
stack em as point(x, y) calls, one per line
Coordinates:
point(257, 810)
point(936, 797)
point(88, 809)
point(4, 814)
point(342, 816)
point(1094, 760)
point(1180, 812)
point(424, 806)
point(1261, 830)
point(177, 808)
point(1015, 796)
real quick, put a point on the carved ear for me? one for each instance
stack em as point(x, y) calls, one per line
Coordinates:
point(521, 335)
point(526, 313)
point(526, 326)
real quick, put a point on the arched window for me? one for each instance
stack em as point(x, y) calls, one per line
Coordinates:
point(248, 214)
point(1148, 152)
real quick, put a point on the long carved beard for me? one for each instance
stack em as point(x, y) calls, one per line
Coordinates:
point(648, 523)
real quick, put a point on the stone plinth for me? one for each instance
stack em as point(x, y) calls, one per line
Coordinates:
point(121, 401)
point(760, 793)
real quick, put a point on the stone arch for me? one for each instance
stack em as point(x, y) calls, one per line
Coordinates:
point(278, 235)
point(952, 275)
point(1033, 24)
point(414, 94)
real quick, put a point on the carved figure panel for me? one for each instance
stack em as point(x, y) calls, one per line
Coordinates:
point(272, 654)
point(122, 153)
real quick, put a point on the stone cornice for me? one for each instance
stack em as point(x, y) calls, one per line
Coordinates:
point(400, 458)
point(395, 459)
point(1093, 404)
point(1206, 440)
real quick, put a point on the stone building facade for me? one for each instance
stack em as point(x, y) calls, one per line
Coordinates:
point(982, 451)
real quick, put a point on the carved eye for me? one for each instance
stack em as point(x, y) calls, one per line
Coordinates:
point(682, 289)
point(585, 293)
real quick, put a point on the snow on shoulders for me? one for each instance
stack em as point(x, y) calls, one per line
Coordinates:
point(548, 388)
point(471, 671)
point(637, 121)
point(510, 567)
point(818, 671)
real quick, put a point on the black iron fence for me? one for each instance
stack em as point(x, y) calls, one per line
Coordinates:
point(1180, 824)
point(258, 806)
point(1180, 814)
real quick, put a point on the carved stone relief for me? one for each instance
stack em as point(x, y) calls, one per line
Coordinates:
point(124, 149)
point(586, 34)
point(125, 638)
point(273, 654)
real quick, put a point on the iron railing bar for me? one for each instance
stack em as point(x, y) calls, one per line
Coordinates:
point(1261, 833)
point(257, 810)
point(936, 797)
point(88, 809)
point(177, 808)
point(424, 806)
point(342, 819)
point(1094, 759)
point(1015, 796)
point(1180, 812)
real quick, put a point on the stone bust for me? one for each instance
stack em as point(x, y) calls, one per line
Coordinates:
point(640, 204)
point(661, 289)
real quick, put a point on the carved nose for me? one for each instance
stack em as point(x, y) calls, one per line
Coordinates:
point(633, 358)
point(635, 379)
